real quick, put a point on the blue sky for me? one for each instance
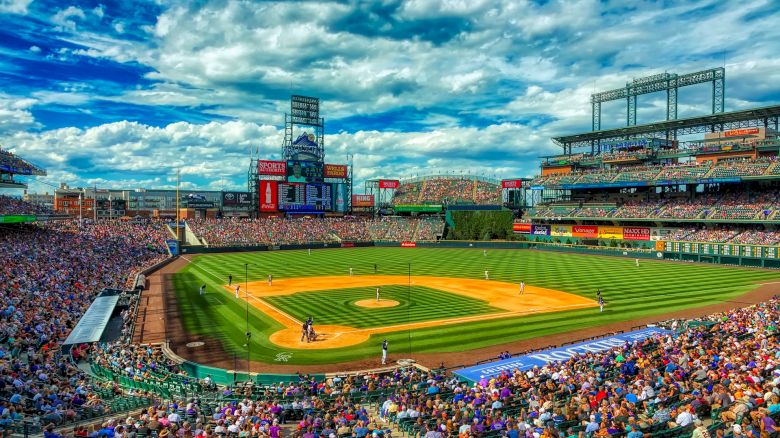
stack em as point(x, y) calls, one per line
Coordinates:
point(121, 94)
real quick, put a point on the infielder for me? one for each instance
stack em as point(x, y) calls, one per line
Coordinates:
point(230, 279)
point(522, 287)
point(601, 304)
point(238, 286)
point(484, 252)
point(384, 351)
point(486, 275)
point(270, 279)
point(377, 294)
point(350, 271)
point(637, 263)
point(202, 289)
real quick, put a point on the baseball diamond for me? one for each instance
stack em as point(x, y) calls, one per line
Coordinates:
point(444, 303)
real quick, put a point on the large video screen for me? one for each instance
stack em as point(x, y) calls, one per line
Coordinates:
point(305, 197)
point(299, 171)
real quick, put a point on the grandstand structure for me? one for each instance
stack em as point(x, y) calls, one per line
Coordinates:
point(642, 186)
point(12, 165)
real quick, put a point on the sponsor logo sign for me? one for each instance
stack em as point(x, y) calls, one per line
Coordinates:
point(511, 184)
point(265, 167)
point(408, 244)
point(520, 228)
point(636, 233)
point(591, 231)
point(269, 196)
point(389, 183)
point(335, 171)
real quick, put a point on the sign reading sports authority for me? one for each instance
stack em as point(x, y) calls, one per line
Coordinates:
point(266, 167)
point(269, 196)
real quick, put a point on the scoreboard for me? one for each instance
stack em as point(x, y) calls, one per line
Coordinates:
point(305, 197)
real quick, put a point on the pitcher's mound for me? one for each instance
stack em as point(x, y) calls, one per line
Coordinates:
point(374, 304)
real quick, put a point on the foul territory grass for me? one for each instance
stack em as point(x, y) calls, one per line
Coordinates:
point(653, 288)
point(416, 303)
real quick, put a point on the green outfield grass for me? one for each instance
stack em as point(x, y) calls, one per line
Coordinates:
point(656, 287)
point(335, 307)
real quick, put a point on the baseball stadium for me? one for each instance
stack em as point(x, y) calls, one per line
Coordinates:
point(628, 287)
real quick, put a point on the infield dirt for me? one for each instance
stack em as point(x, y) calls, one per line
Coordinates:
point(501, 295)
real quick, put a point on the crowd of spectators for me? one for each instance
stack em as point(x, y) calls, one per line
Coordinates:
point(10, 205)
point(278, 231)
point(715, 376)
point(666, 171)
point(448, 190)
point(49, 276)
point(9, 160)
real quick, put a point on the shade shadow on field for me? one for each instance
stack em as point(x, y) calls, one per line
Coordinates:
point(202, 325)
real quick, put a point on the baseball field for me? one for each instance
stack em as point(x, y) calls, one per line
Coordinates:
point(431, 300)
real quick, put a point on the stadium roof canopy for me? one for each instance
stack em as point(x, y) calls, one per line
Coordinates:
point(764, 116)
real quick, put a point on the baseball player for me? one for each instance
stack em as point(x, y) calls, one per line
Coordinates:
point(384, 351)
point(377, 294)
point(486, 275)
point(238, 286)
point(484, 252)
point(601, 304)
point(375, 269)
point(637, 263)
point(309, 251)
point(522, 287)
point(350, 271)
point(230, 279)
point(270, 279)
point(305, 331)
point(202, 289)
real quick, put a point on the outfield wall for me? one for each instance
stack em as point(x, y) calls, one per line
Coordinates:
point(717, 253)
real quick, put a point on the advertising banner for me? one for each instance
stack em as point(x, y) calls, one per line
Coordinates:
point(269, 196)
point(561, 230)
point(520, 228)
point(339, 198)
point(610, 232)
point(511, 184)
point(265, 167)
point(541, 230)
point(636, 233)
point(561, 354)
point(389, 183)
point(236, 199)
point(362, 200)
point(335, 171)
point(408, 244)
point(740, 132)
point(591, 231)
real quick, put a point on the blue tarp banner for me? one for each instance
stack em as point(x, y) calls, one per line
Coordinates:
point(541, 358)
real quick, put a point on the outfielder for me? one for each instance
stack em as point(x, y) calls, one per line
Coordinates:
point(486, 275)
point(350, 271)
point(377, 294)
point(270, 279)
point(484, 252)
point(601, 304)
point(384, 351)
point(637, 263)
point(522, 287)
point(230, 280)
point(202, 289)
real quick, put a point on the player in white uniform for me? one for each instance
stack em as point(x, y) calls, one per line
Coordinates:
point(637, 263)
point(384, 351)
point(377, 294)
point(601, 304)
point(484, 252)
point(270, 279)
point(350, 271)
point(238, 286)
point(486, 275)
point(522, 287)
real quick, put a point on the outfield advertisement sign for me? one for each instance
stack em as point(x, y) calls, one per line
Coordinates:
point(335, 171)
point(269, 196)
point(587, 231)
point(560, 230)
point(362, 200)
point(389, 183)
point(636, 233)
point(511, 184)
point(541, 230)
point(542, 358)
point(265, 167)
point(521, 228)
point(610, 232)
point(408, 244)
